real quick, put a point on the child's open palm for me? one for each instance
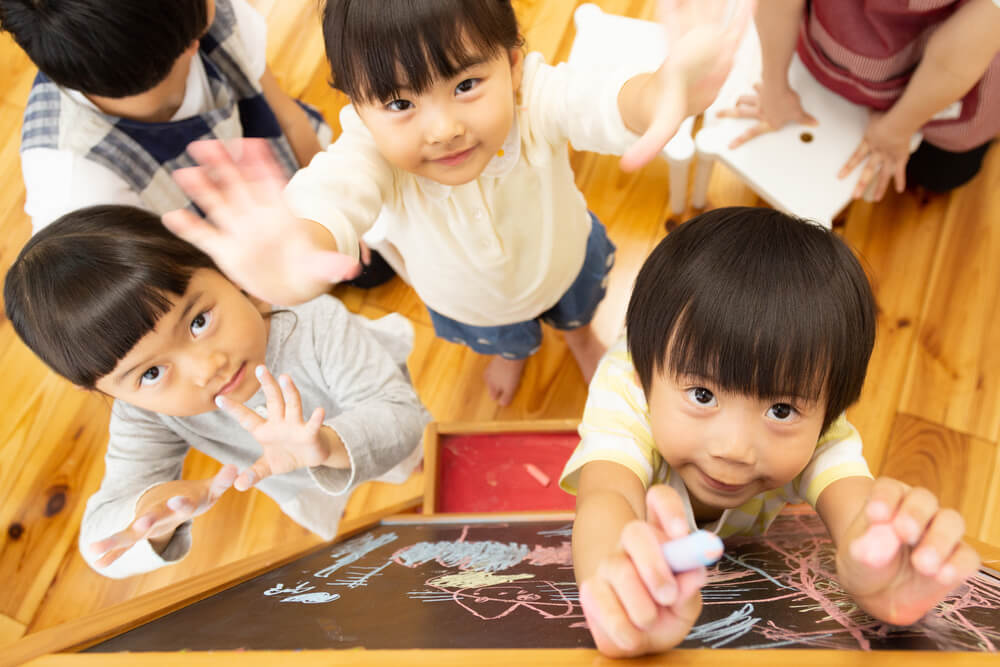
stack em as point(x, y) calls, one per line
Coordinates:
point(161, 509)
point(702, 37)
point(903, 553)
point(250, 232)
point(288, 441)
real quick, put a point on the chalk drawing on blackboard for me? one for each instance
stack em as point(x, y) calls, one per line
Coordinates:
point(545, 598)
point(442, 581)
point(354, 550)
point(319, 597)
point(562, 531)
point(279, 589)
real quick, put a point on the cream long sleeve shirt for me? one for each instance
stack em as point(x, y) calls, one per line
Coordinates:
point(503, 248)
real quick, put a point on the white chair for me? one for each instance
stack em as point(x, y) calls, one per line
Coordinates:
point(644, 44)
point(795, 168)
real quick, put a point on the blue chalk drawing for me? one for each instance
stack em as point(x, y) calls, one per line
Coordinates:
point(354, 550)
point(564, 531)
point(488, 556)
point(721, 632)
point(359, 576)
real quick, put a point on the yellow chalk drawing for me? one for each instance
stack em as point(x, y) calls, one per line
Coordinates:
point(476, 579)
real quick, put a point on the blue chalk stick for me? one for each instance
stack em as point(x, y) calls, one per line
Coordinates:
point(692, 551)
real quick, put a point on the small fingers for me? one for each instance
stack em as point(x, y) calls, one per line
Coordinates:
point(884, 499)
point(272, 393)
point(247, 418)
point(620, 572)
point(665, 510)
point(249, 477)
point(222, 481)
point(291, 398)
point(315, 422)
point(963, 563)
point(195, 230)
point(640, 542)
point(916, 510)
point(944, 533)
point(607, 617)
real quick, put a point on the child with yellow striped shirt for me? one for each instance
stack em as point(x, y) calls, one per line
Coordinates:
point(748, 335)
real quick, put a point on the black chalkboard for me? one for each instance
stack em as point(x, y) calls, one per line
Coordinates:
point(422, 583)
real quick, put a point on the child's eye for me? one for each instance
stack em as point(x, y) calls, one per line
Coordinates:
point(702, 396)
point(151, 376)
point(399, 105)
point(467, 85)
point(201, 322)
point(782, 412)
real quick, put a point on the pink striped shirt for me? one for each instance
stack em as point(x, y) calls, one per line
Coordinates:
point(867, 50)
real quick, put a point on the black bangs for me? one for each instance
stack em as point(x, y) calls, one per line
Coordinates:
point(111, 49)
point(757, 303)
point(88, 287)
point(378, 48)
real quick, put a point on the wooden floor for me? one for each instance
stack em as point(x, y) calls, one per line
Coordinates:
point(930, 413)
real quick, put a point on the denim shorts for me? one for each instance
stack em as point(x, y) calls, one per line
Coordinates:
point(575, 309)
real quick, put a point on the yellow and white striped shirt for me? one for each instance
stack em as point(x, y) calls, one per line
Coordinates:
point(616, 427)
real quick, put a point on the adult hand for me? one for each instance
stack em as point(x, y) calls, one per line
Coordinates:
point(886, 151)
point(774, 106)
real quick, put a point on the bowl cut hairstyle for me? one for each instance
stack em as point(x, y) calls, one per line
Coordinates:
point(757, 302)
point(98, 47)
point(85, 289)
point(377, 49)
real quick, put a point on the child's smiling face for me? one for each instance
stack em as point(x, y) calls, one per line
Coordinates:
point(451, 131)
point(728, 447)
point(208, 343)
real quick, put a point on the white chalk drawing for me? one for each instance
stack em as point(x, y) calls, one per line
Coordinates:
point(318, 597)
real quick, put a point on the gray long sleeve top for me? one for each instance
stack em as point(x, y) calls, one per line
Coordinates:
point(353, 367)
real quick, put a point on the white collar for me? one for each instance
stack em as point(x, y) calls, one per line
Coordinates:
point(499, 165)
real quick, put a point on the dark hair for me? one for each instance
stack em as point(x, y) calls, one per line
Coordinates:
point(112, 49)
point(758, 301)
point(87, 288)
point(371, 44)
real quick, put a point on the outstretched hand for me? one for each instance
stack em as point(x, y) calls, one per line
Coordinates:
point(288, 441)
point(161, 510)
point(903, 553)
point(702, 41)
point(250, 232)
point(634, 603)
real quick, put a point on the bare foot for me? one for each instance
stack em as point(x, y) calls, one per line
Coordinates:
point(586, 349)
point(503, 377)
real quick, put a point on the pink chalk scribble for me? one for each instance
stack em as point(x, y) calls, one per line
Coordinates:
point(544, 598)
point(560, 555)
point(789, 576)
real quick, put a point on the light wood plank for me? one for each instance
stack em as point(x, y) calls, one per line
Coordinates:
point(955, 467)
point(953, 379)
